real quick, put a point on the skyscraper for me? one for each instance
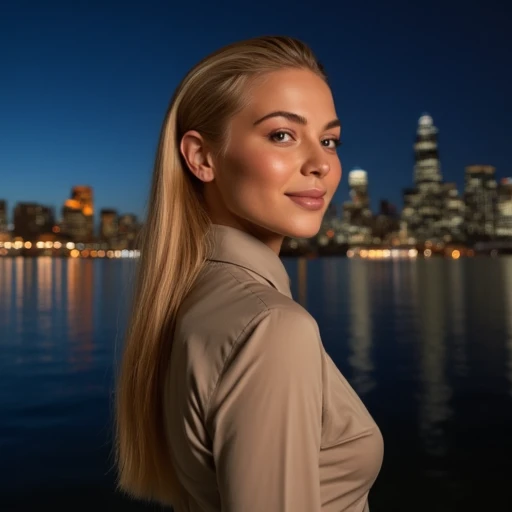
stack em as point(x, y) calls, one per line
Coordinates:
point(504, 209)
point(78, 214)
point(480, 196)
point(32, 220)
point(357, 214)
point(3, 216)
point(452, 214)
point(358, 182)
point(423, 205)
point(427, 168)
point(129, 228)
point(108, 224)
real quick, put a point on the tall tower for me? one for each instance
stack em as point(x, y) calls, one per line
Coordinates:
point(427, 169)
point(428, 181)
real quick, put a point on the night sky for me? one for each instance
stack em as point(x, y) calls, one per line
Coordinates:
point(84, 86)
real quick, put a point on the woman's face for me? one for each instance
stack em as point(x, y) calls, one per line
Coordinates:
point(283, 143)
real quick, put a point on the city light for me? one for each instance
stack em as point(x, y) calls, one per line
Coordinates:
point(434, 219)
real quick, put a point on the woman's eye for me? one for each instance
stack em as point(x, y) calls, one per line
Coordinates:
point(280, 136)
point(332, 143)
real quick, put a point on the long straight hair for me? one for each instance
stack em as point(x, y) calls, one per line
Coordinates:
point(174, 247)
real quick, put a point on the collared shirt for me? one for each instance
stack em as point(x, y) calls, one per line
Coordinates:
point(258, 417)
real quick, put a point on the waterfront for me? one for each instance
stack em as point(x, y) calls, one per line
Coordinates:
point(426, 343)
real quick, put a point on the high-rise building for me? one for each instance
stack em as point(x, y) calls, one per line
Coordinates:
point(427, 168)
point(428, 178)
point(4, 225)
point(78, 215)
point(357, 215)
point(423, 205)
point(410, 220)
point(108, 224)
point(480, 196)
point(504, 209)
point(32, 220)
point(129, 228)
point(358, 183)
point(453, 211)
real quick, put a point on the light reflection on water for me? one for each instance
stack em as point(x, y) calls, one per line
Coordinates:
point(361, 328)
point(507, 279)
point(425, 343)
point(434, 406)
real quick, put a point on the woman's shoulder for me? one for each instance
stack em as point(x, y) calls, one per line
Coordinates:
point(235, 291)
point(226, 302)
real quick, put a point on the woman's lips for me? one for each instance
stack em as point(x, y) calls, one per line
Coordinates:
point(310, 203)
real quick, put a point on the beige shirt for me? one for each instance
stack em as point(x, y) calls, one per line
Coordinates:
point(259, 418)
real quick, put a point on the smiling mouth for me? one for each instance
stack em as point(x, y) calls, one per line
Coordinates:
point(314, 192)
point(308, 202)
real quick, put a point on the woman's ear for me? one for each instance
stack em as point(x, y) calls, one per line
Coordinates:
point(196, 154)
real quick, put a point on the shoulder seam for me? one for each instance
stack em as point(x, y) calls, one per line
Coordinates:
point(254, 320)
point(245, 286)
point(251, 322)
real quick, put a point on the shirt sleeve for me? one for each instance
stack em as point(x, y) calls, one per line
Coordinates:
point(266, 417)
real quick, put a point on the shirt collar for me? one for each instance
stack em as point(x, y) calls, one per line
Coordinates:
point(230, 245)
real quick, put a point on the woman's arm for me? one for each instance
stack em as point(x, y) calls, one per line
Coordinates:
point(266, 417)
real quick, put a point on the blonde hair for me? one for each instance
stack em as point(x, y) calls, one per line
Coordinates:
point(174, 247)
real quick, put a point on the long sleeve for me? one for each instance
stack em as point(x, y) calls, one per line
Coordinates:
point(266, 416)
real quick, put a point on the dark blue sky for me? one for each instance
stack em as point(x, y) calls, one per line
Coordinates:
point(84, 86)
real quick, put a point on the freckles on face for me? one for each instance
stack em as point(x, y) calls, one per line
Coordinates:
point(266, 159)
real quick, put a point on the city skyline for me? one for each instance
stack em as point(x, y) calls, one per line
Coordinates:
point(374, 199)
point(434, 212)
point(85, 88)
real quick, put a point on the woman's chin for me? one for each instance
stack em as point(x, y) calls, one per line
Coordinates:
point(306, 229)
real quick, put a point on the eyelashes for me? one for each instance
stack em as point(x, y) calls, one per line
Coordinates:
point(276, 137)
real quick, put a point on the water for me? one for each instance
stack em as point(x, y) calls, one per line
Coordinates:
point(427, 344)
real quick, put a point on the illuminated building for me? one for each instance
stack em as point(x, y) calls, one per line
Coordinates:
point(427, 169)
point(452, 221)
point(358, 183)
point(427, 179)
point(129, 227)
point(504, 209)
point(32, 220)
point(410, 220)
point(480, 195)
point(78, 215)
point(128, 223)
point(108, 224)
point(357, 215)
point(3, 216)
point(425, 204)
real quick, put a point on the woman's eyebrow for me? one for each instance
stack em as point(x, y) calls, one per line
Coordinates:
point(296, 118)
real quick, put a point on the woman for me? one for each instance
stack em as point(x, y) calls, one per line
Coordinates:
point(248, 412)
